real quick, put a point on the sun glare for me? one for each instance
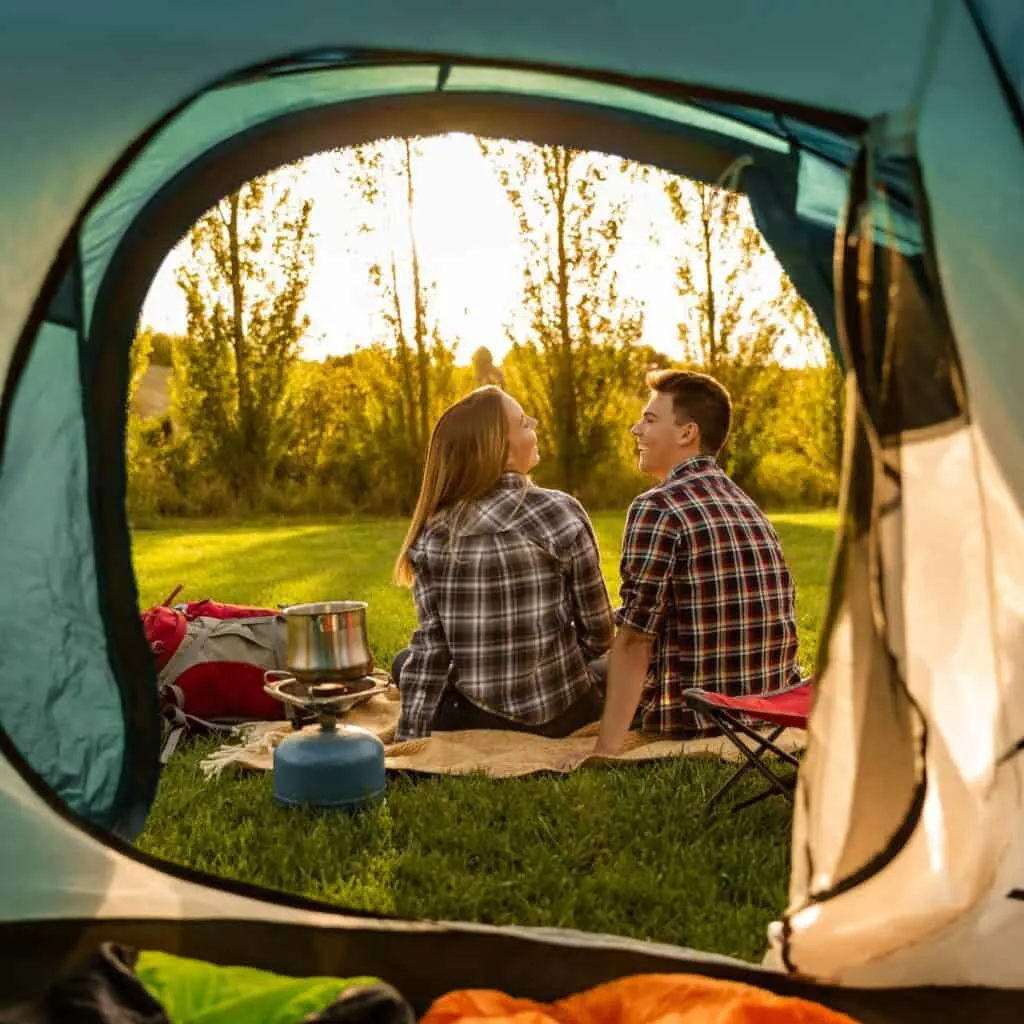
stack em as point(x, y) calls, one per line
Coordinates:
point(470, 250)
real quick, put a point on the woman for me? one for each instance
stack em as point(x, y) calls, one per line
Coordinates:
point(510, 601)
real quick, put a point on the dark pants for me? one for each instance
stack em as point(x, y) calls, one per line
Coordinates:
point(455, 712)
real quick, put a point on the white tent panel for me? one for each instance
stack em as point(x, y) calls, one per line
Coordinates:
point(961, 854)
point(983, 945)
point(64, 873)
point(1003, 524)
point(952, 665)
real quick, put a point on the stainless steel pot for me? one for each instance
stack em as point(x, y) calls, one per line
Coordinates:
point(327, 642)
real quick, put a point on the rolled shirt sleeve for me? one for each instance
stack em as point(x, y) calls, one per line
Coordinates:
point(650, 546)
point(425, 675)
point(592, 609)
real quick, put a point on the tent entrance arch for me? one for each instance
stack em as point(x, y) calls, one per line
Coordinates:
point(693, 142)
point(216, 143)
point(173, 180)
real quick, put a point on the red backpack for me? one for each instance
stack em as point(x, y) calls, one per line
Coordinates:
point(210, 660)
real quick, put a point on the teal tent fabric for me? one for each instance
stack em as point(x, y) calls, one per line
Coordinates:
point(1003, 24)
point(109, 110)
point(971, 148)
point(59, 702)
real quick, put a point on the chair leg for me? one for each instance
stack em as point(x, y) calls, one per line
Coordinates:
point(729, 722)
point(731, 726)
point(763, 745)
point(734, 729)
point(789, 782)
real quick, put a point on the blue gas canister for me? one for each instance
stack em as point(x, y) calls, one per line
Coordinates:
point(337, 765)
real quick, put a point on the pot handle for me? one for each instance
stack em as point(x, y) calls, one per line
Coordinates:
point(273, 678)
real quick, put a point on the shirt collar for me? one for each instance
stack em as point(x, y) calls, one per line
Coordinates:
point(496, 510)
point(511, 480)
point(691, 467)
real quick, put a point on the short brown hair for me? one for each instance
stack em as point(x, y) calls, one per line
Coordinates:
point(698, 397)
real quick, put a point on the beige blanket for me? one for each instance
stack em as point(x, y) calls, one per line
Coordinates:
point(495, 753)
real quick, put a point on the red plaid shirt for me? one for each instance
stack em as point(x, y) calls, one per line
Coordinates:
point(514, 609)
point(702, 569)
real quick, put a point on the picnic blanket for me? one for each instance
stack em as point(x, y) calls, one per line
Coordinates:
point(499, 754)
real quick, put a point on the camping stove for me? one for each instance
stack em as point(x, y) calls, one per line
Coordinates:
point(337, 765)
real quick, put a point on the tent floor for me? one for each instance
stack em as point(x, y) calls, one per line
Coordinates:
point(424, 962)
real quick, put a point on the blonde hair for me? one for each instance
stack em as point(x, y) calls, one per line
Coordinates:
point(465, 460)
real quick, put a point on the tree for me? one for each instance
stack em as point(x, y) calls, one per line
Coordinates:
point(735, 311)
point(162, 353)
point(484, 370)
point(138, 363)
point(383, 175)
point(813, 426)
point(139, 358)
point(244, 282)
point(575, 355)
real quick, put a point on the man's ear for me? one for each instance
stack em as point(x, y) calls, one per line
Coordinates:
point(689, 432)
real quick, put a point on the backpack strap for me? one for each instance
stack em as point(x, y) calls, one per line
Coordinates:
point(178, 721)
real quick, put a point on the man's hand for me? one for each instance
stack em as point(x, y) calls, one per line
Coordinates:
point(571, 762)
point(628, 664)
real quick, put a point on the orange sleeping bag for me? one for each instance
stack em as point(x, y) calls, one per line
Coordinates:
point(641, 999)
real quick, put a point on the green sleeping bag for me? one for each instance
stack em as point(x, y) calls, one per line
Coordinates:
point(194, 992)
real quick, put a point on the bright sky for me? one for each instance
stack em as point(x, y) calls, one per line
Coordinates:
point(469, 243)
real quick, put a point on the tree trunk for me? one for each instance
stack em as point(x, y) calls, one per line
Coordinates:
point(237, 308)
point(419, 321)
point(567, 412)
point(710, 340)
point(407, 411)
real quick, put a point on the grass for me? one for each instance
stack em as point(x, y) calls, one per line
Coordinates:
point(625, 851)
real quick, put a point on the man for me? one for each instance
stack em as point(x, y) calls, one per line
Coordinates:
point(707, 597)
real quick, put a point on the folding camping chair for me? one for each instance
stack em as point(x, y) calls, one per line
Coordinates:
point(783, 709)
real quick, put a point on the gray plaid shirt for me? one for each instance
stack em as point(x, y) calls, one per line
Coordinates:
point(514, 609)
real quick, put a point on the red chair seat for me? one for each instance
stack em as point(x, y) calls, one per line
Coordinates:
point(782, 709)
point(790, 707)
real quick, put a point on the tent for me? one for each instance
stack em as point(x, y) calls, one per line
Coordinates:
point(882, 147)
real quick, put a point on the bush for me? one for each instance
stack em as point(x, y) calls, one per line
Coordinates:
point(162, 351)
point(784, 480)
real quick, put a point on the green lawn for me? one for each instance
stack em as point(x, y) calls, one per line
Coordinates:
point(625, 851)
